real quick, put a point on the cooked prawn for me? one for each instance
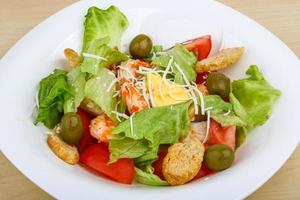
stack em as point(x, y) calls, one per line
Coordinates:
point(128, 69)
point(133, 100)
point(101, 126)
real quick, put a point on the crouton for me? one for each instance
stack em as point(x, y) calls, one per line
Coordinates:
point(183, 161)
point(220, 60)
point(65, 152)
point(72, 57)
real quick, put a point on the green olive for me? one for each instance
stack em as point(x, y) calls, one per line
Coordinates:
point(218, 83)
point(140, 46)
point(218, 157)
point(90, 107)
point(71, 128)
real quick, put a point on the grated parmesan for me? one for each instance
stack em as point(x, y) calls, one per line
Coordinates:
point(131, 123)
point(227, 113)
point(114, 81)
point(207, 127)
point(87, 55)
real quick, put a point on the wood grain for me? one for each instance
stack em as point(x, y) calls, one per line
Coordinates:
point(280, 17)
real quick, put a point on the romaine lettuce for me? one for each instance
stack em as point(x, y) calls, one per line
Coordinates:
point(147, 158)
point(253, 98)
point(148, 178)
point(102, 23)
point(183, 59)
point(76, 81)
point(97, 89)
point(53, 92)
point(100, 48)
point(221, 111)
point(159, 125)
point(127, 148)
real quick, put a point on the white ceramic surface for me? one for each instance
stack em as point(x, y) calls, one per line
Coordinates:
point(168, 21)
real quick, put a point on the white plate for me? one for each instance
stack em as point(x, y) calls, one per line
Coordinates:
point(36, 54)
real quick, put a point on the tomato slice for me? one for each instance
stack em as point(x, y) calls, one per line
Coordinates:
point(96, 157)
point(204, 171)
point(157, 165)
point(86, 138)
point(200, 46)
point(221, 135)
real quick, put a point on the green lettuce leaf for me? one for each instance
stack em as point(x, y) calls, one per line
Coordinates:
point(182, 58)
point(53, 92)
point(127, 148)
point(102, 23)
point(159, 125)
point(99, 48)
point(97, 87)
point(221, 111)
point(76, 81)
point(148, 178)
point(147, 158)
point(253, 98)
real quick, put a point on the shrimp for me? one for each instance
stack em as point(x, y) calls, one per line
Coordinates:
point(101, 126)
point(133, 100)
point(128, 69)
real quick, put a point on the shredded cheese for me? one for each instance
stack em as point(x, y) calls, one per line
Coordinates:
point(201, 98)
point(208, 108)
point(124, 75)
point(131, 123)
point(160, 90)
point(116, 93)
point(168, 68)
point(207, 127)
point(114, 81)
point(227, 113)
point(123, 115)
point(150, 92)
point(87, 55)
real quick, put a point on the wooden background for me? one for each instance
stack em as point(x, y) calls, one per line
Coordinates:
point(280, 17)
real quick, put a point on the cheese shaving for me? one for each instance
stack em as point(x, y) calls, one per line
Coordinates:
point(207, 127)
point(227, 113)
point(201, 98)
point(127, 75)
point(150, 92)
point(87, 55)
point(160, 90)
point(112, 84)
point(131, 123)
point(118, 115)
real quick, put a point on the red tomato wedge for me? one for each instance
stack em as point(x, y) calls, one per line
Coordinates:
point(96, 157)
point(86, 138)
point(204, 171)
point(157, 165)
point(221, 135)
point(200, 46)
